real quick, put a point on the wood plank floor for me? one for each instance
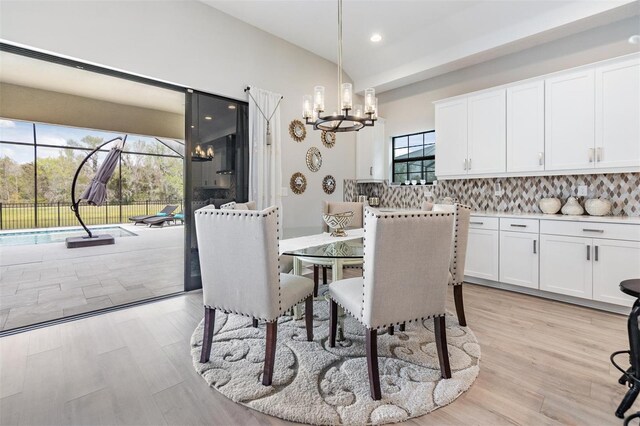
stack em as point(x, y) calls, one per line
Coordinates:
point(543, 362)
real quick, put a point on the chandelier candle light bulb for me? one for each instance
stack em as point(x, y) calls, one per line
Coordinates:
point(369, 100)
point(318, 98)
point(307, 106)
point(347, 96)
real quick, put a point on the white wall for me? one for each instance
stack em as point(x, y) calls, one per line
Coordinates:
point(409, 109)
point(189, 43)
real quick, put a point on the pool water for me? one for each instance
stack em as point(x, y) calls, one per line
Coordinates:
point(58, 235)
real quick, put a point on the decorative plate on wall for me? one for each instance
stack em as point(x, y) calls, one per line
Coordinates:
point(329, 184)
point(328, 139)
point(297, 130)
point(298, 183)
point(314, 159)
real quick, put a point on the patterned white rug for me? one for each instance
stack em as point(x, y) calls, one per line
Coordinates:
point(315, 384)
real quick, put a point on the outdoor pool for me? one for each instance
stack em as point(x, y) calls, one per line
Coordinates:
point(57, 235)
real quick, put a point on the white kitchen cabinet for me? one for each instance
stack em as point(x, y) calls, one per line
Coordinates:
point(525, 127)
point(451, 137)
point(486, 140)
point(482, 254)
point(617, 100)
point(565, 265)
point(613, 262)
point(570, 120)
point(519, 253)
point(371, 160)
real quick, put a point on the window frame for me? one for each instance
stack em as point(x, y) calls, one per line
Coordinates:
point(408, 160)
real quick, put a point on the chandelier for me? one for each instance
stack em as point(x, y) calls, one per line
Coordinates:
point(351, 117)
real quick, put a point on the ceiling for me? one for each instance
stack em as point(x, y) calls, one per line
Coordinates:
point(422, 38)
point(29, 72)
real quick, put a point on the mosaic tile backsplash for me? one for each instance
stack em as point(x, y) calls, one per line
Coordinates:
point(520, 194)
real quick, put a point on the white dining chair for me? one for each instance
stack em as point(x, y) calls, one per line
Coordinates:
point(458, 252)
point(240, 274)
point(405, 276)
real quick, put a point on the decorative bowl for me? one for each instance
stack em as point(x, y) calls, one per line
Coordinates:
point(572, 207)
point(598, 207)
point(337, 222)
point(550, 205)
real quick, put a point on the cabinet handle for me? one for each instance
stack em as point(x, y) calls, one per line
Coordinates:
point(515, 225)
point(600, 231)
point(540, 158)
point(598, 154)
point(595, 253)
point(469, 164)
point(465, 164)
point(371, 171)
point(591, 155)
point(535, 244)
point(588, 252)
point(476, 223)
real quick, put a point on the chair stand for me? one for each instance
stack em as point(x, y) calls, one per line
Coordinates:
point(440, 331)
point(207, 338)
point(403, 326)
point(315, 280)
point(333, 323)
point(390, 330)
point(308, 317)
point(270, 352)
point(254, 323)
point(371, 342)
point(457, 295)
point(324, 275)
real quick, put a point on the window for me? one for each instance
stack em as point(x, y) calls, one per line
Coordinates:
point(414, 157)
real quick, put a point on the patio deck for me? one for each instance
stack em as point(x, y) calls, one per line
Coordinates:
point(48, 281)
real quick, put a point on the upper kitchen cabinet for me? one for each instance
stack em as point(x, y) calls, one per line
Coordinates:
point(617, 126)
point(525, 127)
point(371, 161)
point(486, 133)
point(451, 137)
point(569, 120)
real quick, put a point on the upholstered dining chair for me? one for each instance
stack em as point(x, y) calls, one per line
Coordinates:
point(405, 275)
point(458, 251)
point(254, 288)
point(356, 222)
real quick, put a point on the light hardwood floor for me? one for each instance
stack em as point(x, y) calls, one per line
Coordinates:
point(543, 362)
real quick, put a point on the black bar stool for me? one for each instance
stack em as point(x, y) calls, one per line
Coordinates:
point(631, 377)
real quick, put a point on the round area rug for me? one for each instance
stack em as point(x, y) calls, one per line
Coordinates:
point(316, 384)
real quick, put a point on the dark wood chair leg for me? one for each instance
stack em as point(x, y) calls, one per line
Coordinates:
point(270, 352)
point(324, 275)
point(457, 295)
point(441, 345)
point(403, 326)
point(308, 317)
point(372, 364)
point(333, 323)
point(255, 323)
point(390, 330)
point(316, 280)
point(207, 338)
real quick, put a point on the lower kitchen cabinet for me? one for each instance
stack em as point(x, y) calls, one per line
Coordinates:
point(565, 265)
point(519, 253)
point(613, 262)
point(482, 254)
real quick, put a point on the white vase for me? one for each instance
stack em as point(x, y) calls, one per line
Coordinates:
point(572, 207)
point(597, 207)
point(550, 205)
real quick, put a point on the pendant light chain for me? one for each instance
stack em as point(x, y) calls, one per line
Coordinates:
point(339, 51)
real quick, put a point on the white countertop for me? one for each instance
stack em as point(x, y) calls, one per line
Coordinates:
point(584, 218)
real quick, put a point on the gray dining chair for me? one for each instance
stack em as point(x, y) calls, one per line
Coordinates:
point(405, 276)
point(255, 288)
point(458, 252)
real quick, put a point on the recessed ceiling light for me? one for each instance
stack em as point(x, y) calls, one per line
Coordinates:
point(231, 106)
point(208, 117)
point(634, 39)
point(193, 127)
point(375, 37)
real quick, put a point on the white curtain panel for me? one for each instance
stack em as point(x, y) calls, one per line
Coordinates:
point(265, 160)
